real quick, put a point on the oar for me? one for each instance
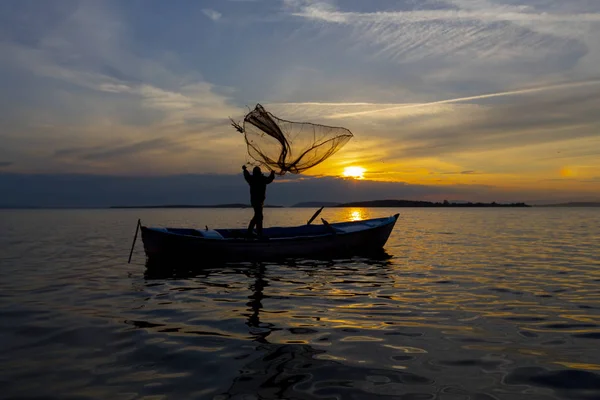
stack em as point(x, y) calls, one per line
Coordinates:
point(315, 215)
point(135, 237)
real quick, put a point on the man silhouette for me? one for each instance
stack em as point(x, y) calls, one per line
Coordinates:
point(258, 188)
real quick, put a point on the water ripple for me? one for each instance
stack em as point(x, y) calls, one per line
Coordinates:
point(478, 304)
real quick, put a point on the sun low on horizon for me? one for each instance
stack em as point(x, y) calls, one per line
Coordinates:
point(354, 172)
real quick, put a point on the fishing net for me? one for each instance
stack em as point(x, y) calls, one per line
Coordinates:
point(284, 146)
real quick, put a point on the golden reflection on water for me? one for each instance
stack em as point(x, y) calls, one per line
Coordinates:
point(406, 349)
point(356, 214)
point(593, 367)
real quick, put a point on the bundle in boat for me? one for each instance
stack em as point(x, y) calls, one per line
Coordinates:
point(285, 146)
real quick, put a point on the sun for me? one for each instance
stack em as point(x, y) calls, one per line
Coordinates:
point(354, 172)
point(567, 172)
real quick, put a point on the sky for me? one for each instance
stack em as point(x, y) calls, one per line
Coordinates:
point(486, 100)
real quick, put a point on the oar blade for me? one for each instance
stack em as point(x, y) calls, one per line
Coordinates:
point(315, 215)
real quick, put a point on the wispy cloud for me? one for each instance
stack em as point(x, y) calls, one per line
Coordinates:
point(160, 145)
point(115, 102)
point(469, 98)
point(212, 14)
point(90, 50)
point(460, 173)
point(199, 96)
point(479, 30)
point(5, 164)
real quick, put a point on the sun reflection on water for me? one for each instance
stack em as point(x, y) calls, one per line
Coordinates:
point(356, 214)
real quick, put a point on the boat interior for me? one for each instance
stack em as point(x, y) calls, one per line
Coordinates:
point(279, 232)
point(272, 233)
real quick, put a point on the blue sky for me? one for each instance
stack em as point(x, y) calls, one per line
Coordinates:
point(506, 90)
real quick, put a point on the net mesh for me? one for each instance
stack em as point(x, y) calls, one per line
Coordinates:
point(284, 146)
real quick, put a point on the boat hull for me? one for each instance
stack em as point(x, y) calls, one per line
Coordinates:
point(161, 244)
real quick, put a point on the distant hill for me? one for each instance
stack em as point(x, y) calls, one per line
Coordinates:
point(572, 204)
point(313, 204)
point(234, 205)
point(417, 203)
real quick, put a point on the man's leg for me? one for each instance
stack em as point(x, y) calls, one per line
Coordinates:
point(251, 225)
point(253, 221)
point(258, 217)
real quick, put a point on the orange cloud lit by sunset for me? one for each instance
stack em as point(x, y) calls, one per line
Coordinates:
point(416, 144)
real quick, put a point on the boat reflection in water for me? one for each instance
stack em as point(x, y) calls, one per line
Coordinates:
point(298, 370)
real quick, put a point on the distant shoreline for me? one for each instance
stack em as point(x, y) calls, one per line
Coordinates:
point(235, 205)
point(366, 204)
point(572, 204)
point(317, 204)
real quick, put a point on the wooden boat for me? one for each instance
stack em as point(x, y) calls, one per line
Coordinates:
point(306, 241)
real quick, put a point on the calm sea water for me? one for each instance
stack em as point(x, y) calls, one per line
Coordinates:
point(471, 304)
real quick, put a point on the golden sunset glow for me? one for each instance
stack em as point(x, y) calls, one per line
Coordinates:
point(354, 172)
point(567, 172)
point(443, 136)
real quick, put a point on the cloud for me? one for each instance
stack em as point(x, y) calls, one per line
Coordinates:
point(522, 122)
point(317, 10)
point(470, 98)
point(528, 117)
point(198, 98)
point(93, 90)
point(5, 164)
point(492, 40)
point(68, 190)
point(460, 173)
point(160, 145)
point(92, 49)
point(191, 102)
point(212, 14)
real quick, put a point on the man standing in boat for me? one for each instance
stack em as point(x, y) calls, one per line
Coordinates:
point(258, 188)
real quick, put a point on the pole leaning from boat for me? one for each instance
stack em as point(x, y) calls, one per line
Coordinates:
point(315, 215)
point(137, 228)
